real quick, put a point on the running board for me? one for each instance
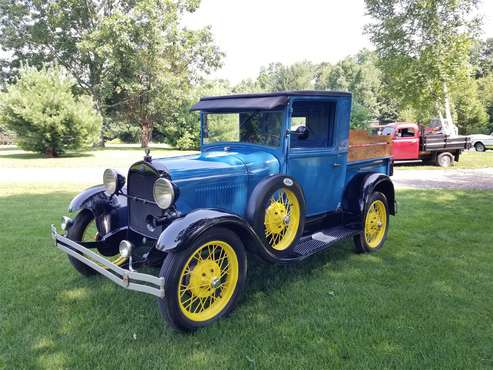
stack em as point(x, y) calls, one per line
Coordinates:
point(321, 240)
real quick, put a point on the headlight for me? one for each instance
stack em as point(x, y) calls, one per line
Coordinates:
point(112, 181)
point(109, 181)
point(164, 194)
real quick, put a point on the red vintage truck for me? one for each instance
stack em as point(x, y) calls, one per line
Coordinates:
point(411, 143)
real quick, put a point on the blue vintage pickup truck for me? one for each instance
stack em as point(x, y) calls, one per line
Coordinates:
point(274, 178)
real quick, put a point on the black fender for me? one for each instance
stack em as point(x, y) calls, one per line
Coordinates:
point(185, 230)
point(361, 187)
point(110, 212)
point(181, 232)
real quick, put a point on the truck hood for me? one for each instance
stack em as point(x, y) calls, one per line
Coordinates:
point(217, 164)
point(217, 179)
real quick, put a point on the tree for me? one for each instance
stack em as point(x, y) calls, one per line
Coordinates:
point(424, 48)
point(45, 115)
point(482, 57)
point(153, 60)
point(278, 77)
point(91, 39)
point(39, 33)
point(360, 75)
point(485, 92)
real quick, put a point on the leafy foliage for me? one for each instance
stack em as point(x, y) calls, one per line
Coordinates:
point(423, 48)
point(133, 57)
point(46, 116)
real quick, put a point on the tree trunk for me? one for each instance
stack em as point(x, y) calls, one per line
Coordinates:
point(51, 153)
point(450, 128)
point(145, 133)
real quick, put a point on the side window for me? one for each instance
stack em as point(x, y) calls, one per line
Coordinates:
point(406, 132)
point(313, 123)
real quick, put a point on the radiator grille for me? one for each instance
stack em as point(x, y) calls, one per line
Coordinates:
point(141, 178)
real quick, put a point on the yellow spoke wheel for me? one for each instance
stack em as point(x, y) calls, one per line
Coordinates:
point(208, 281)
point(375, 224)
point(91, 234)
point(282, 219)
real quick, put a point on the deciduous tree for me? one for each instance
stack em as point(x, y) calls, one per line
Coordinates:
point(424, 48)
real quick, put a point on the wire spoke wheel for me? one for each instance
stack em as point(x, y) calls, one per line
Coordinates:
point(282, 219)
point(375, 223)
point(208, 281)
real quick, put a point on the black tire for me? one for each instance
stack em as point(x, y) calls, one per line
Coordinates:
point(257, 207)
point(445, 160)
point(75, 233)
point(360, 241)
point(172, 268)
point(479, 147)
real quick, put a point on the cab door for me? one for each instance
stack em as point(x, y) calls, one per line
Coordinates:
point(314, 161)
point(405, 143)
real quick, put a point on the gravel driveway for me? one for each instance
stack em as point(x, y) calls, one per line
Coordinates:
point(480, 178)
point(422, 179)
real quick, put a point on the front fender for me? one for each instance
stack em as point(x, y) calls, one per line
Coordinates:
point(184, 231)
point(362, 186)
point(110, 212)
point(85, 198)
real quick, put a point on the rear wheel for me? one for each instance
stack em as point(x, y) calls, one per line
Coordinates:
point(375, 224)
point(479, 147)
point(204, 281)
point(445, 160)
point(84, 229)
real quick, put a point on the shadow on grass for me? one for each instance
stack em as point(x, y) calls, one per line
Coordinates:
point(336, 309)
point(31, 155)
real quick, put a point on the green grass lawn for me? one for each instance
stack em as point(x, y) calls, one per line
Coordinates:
point(114, 156)
point(423, 302)
point(468, 159)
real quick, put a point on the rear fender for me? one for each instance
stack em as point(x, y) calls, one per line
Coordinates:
point(110, 212)
point(184, 231)
point(361, 187)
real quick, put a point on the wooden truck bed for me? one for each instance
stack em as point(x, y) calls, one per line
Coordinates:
point(364, 146)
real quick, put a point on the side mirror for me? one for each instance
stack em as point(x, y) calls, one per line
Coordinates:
point(301, 131)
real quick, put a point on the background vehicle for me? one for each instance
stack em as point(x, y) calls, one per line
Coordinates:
point(482, 142)
point(411, 143)
point(258, 185)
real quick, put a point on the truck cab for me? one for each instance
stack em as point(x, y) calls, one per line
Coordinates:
point(278, 175)
point(405, 140)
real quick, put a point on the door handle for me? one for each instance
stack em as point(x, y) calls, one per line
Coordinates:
point(336, 165)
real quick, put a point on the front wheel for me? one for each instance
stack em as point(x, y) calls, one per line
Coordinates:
point(375, 224)
point(84, 229)
point(204, 281)
point(479, 147)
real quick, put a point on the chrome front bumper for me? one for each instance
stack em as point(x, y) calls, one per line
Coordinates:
point(127, 279)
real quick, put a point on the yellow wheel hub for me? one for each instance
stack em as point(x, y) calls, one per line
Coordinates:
point(375, 224)
point(275, 218)
point(208, 281)
point(282, 219)
point(203, 278)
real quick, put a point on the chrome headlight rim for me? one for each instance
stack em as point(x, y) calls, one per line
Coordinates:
point(113, 181)
point(163, 192)
point(110, 179)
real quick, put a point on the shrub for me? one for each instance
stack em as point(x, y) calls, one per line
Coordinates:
point(46, 116)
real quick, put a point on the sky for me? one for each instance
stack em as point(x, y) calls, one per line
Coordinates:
point(255, 33)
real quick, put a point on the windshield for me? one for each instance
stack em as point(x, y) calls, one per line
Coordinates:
point(259, 127)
